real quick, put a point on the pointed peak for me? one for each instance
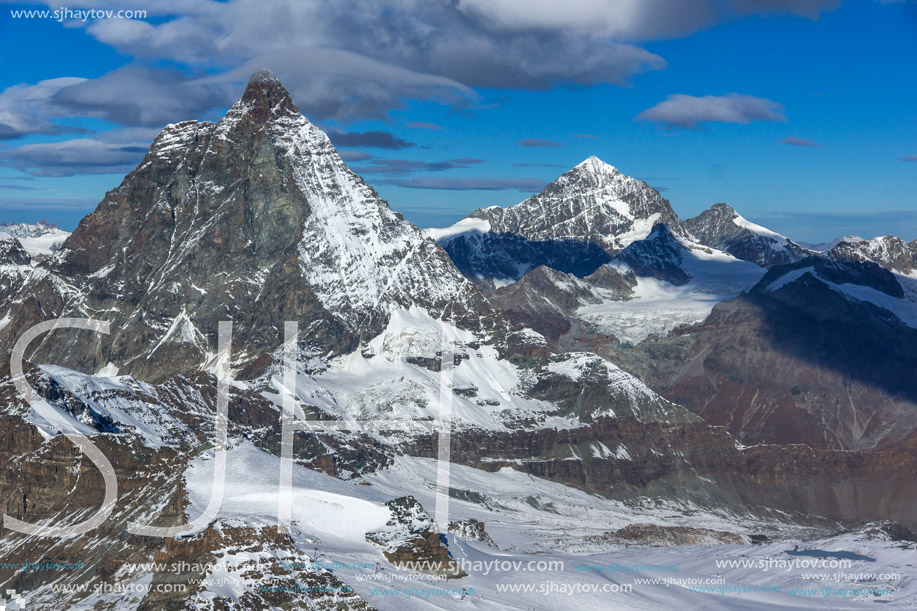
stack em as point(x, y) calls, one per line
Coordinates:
point(263, 76)
point(265, 91)
point(596, 165)
point(723, 208)
point(661, 231)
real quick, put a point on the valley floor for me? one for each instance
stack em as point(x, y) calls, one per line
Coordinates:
point(552, 545)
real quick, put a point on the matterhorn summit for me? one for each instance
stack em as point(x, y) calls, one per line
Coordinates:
point(254, 219)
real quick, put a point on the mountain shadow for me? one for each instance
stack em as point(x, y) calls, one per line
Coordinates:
point(488, 258)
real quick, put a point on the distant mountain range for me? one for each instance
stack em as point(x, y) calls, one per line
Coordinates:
point(42, 238)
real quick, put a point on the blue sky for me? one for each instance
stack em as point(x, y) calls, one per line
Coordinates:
point(800, 116)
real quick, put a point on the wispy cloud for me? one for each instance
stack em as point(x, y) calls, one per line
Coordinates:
point(792, 141)
point(689, 112)
point(410, 166)
point(362, 59)
point(908, 158)
point(371, 139)
point(26, 109)
point(538, 142)
point(351, 156)
point(593, 136)
point(74, 157)
point(448, 183)
point(422, 125)
point(19, 188)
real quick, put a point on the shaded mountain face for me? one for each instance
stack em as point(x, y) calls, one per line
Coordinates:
point(838, 271)
point(254, 219)
point(547, 300)
point(495, 259)
point(577, 223)
point(723, 228)
point(659, 256)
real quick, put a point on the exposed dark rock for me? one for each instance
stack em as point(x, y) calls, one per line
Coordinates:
point(471, 529)
point(722, 228)
point(655, 535)
point(412, 541)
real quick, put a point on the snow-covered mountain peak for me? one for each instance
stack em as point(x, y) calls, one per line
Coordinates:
point(266, 104)
point(593, 203)
point(25, 230)
point(889, 251)
point(594, 176)
point(578, 222)
point(723, 213)
point(594, 165)
point(255, 218)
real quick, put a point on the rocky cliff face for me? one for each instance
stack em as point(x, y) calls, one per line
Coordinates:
point(253, 219)
point(723, 228)
point(658, 256)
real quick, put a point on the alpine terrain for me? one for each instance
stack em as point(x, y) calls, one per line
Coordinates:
point(478, 416)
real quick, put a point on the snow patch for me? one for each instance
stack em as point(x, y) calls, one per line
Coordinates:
point(465, 225)
point(658, 306)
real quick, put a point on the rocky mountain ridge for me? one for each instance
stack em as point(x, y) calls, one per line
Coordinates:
point(722, 227)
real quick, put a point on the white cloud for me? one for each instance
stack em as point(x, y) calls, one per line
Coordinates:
point(75, 157)
point(363, 58)
point(688, 112)
point(24, 109)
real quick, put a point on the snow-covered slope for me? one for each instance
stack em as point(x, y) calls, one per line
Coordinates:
point(555, 546)
point(652, 287)
point(678, 283)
